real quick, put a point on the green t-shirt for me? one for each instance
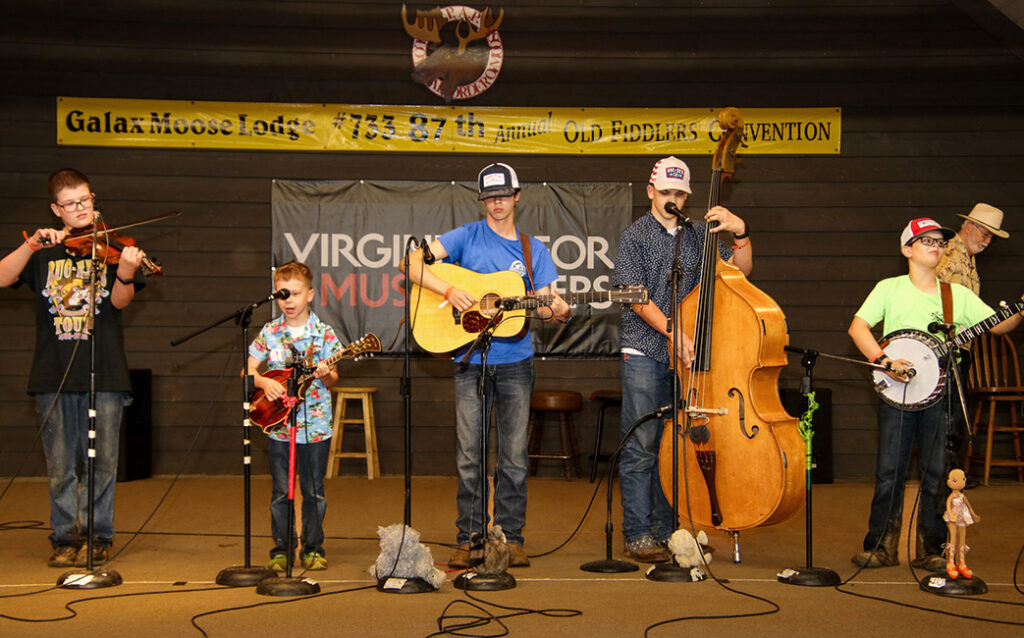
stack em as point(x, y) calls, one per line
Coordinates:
point(901, 305)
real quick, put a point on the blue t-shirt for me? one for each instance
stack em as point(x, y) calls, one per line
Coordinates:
point(476, 247)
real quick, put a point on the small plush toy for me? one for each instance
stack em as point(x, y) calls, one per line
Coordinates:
point(497, 553)
point(686, 550)
point(958, 516)
point(404, 556)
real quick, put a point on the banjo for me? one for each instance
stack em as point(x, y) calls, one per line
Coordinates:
point(927, 353)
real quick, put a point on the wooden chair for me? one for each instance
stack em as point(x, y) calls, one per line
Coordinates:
point(994, 380)
point(369, 426)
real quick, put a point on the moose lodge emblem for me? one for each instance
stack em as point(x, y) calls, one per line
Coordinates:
point(456, 51)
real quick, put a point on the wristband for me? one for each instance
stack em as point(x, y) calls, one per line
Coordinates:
point(447, 293)
point(878, 357)
point(34, 249)
point(738, 246)
point(746, 231)
point(127, 282)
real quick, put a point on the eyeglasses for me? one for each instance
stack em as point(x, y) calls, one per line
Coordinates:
point(933, 241)
point(85, 202)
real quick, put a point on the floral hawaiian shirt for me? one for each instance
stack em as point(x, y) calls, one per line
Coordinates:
point(274, 345)
point(957, 266)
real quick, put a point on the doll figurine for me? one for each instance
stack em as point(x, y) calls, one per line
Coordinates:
point(958, 516)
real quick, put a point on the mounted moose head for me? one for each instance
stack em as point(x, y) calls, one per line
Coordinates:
point(452, 65)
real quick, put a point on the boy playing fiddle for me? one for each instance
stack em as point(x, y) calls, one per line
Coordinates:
point(61, 285)
point(298, 334)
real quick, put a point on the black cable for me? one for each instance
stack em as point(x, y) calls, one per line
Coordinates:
point(486, 617)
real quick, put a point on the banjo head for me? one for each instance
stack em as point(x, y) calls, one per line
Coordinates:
point(924, 389)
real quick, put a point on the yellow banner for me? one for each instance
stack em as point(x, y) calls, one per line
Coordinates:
point(436, 129)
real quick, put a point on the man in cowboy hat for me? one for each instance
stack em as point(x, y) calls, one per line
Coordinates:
point(957, 265)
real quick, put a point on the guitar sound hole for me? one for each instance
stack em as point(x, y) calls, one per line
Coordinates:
point(473, 322)
point(489, 304)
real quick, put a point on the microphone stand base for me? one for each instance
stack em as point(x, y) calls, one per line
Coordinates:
point(473, 581)
point(287, 587)
point(239, 576)
point(939, 583)
point(609, 566)
point(809, 577)
point(85, 579)
point(394, 585)
point(672, 573)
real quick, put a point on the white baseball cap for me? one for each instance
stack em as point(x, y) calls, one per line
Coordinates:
point(671, 173)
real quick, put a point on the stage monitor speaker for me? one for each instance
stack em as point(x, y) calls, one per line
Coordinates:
point(135, 459)
point(821, 451)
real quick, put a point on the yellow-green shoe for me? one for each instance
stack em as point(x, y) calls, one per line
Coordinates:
point(314, 561)
point(278, 563)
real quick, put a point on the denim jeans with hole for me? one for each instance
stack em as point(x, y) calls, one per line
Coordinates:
point(310, 467)
point(646, 386)
point(508, 388)
point(66, 445)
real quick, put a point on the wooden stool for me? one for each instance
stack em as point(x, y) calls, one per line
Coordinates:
point(363, 395)
point(564, 403)
point(608, 398)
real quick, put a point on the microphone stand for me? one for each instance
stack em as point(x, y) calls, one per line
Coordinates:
point(78, 578)
point(471, 579)
point(245, 575)
point(289, 586)
point(670, 571)
point(932, 582)
point(610, 565)
point(403, 585)
point(808, 575)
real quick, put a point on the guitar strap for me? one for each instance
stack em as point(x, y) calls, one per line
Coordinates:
point(526, 257)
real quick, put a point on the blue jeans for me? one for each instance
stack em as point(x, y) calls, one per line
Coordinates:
point(507, 388)
point(895, 443)
point(310, 468)
point(646, 386)
point(66, 445)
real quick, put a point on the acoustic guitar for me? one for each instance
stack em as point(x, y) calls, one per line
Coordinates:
point(271, 415)
point(438, 327)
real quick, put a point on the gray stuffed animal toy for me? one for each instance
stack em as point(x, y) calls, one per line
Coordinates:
point(413, 558)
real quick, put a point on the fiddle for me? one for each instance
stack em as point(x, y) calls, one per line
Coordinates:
point(109, 243)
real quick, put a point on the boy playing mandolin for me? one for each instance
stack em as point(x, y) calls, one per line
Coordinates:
point(912, 301)
point(298, 336)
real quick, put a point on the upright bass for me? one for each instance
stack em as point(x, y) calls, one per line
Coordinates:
point(741, 459)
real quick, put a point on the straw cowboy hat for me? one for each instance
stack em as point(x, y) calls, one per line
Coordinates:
point(988, 217)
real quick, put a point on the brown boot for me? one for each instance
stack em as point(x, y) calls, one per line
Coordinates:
point(647, 550)
point(886, 555)
point(519, 557)
point(460, 557)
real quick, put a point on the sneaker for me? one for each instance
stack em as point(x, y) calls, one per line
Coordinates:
point(460, 557)
point(63, 556)
point(878, 558)
point(100, 555)
point(647, 550)
point(519, 557)
point(314, 561)
point(278, 563)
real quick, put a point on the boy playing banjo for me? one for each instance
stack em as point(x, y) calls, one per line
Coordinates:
point(913, 301)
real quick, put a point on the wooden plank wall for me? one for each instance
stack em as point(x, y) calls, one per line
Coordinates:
point(931, 111)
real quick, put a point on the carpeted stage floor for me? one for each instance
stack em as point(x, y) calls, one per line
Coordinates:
point(169, 569)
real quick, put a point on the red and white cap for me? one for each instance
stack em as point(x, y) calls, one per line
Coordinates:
point(920, 226)
point(671, 173)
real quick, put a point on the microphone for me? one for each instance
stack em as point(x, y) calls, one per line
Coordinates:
point(939, 328)
point(428, 257)
point(672, 209)
point(283, 293)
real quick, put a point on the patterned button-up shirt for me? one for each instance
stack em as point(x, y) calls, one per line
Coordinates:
point(273, 347)
point(957, 266)
point(644, 258)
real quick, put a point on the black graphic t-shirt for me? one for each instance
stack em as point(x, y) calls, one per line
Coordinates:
point(61, 285)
